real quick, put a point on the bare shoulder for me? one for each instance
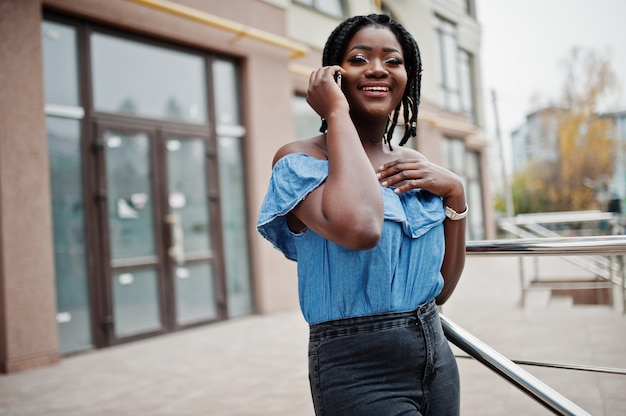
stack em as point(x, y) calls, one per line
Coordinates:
point(407, 153)
point(315, 146)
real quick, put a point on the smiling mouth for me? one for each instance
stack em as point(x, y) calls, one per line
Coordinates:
point(376, 89)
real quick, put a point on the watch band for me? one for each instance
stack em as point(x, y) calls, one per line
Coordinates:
point(455, 216)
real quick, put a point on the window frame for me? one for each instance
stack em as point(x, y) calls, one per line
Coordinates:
point(92, 120)
point(317, 5)
point(448, 47)
point(465, 162)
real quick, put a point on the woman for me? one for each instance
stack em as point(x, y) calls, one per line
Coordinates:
point(377, 231)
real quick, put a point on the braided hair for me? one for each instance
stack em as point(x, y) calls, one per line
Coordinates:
point(335, 49)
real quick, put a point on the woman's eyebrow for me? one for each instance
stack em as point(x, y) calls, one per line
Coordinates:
point(364, 47)
point(369, 48)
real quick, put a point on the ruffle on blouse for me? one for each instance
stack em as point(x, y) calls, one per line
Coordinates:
point(296, 175)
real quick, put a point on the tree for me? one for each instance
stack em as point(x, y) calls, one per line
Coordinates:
point(530, 188)
point(585, 145)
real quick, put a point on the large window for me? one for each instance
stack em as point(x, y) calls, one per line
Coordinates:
point(466, 87)
point(134, 78)
point(455, 70)
point(466, 164)
point(306, 121)
point(470, 7)
point(448, 50)
point(230, 134)
point(64, 116)
point(332, 8)
point(146, 148)
point(475, 223)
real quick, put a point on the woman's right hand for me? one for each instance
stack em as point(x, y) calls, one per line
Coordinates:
point(324, 94)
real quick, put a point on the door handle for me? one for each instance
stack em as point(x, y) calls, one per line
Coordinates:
point(177, 249)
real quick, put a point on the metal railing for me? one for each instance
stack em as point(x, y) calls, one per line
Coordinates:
point(561, 246)
point(508, 369)
point(580, 223)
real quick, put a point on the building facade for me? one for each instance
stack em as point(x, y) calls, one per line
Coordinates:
point(536, 139)
point(136, 141)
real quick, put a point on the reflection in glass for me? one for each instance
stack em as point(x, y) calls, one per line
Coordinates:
point(129, 195)
point(194, 293)
point(466, 88)
point(232, 186)
point(234, 229)
point(306, 121)
point(226, 93)
point(466, 164)
point(139, 79)
point(186, 167)
point(474, 195)
point(188, 201)
point(68, 219)
point(136, 302)
point(448, 53)
point(60, 64)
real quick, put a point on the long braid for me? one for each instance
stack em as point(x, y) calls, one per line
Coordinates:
point(335, 49)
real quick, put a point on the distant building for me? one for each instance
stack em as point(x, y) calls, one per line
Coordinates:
point(136, 146)
point(537, 140)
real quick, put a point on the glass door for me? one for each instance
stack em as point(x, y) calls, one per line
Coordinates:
point(190, 251)
point(162, 268)
point(136, 283)
point(144, 240)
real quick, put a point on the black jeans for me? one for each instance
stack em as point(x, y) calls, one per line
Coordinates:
point(383, 365)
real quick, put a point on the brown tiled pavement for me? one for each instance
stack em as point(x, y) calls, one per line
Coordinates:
point(256, 365)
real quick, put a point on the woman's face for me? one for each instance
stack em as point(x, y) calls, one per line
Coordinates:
point(375, 77)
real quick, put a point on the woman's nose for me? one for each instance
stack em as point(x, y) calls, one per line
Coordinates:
point(377, 69)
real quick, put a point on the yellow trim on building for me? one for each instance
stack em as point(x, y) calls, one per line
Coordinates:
point(297, 49)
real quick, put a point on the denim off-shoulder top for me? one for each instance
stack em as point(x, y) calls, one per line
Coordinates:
point(400, 273)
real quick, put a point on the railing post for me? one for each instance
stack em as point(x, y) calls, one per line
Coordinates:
point(505, 368)
point(562, 246)
point(612, 259)
point(522, 282)
point(623, 279)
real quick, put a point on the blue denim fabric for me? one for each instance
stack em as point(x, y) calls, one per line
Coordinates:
point(383, 365)
point(334, 282)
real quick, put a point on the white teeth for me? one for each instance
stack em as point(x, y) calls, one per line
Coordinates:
point(378, 89)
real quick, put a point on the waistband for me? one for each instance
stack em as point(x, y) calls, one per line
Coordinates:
point(371, 323)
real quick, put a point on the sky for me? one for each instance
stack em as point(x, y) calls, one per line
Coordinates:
point(524, 44)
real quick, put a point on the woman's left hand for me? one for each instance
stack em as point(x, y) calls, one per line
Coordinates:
point(416, 172)
point(419, 173)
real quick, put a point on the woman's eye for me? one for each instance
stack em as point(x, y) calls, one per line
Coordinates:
point(394, 61)
point(357, 59)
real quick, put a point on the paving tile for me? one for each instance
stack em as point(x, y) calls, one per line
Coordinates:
point(256, 365)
